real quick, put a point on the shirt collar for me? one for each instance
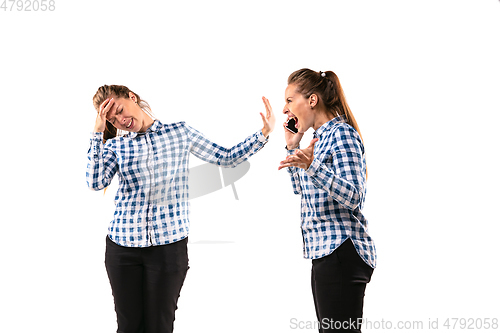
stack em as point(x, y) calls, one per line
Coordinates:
point(328, 125)
point(153, 128)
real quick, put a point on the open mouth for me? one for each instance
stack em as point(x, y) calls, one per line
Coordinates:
point(129, 125)
point(296, 120)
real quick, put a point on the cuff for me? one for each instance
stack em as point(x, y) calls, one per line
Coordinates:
point(96, 142)
point(291, 151)
point(261, 138)
point(96, 135)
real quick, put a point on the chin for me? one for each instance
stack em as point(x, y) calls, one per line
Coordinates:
point(301, 130)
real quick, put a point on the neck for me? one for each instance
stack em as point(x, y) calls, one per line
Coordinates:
point(321, 118)
point(148, 121)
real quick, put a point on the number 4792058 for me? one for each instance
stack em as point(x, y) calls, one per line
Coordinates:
point(28, 5)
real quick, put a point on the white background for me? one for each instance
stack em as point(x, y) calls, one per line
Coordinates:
point(422, 79)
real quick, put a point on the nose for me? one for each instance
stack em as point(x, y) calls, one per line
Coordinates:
point(121, 119)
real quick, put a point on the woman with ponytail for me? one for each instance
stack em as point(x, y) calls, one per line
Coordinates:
point(146, 246)
point(330, 175)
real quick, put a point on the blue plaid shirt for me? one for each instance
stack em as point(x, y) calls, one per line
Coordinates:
point(152, 204)
point(333, 193)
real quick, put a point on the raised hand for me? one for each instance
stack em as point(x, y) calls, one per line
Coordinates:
point(302, 158)
point(269, 119)
point(100, 122)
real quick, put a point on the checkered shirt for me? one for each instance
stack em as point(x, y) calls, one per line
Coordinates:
point(152, 205)
point(333, 192)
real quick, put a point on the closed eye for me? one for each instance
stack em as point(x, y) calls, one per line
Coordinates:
point(111, 121)
point(117, 112)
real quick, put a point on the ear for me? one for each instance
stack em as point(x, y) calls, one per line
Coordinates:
point(132, 97)
point(313, 100)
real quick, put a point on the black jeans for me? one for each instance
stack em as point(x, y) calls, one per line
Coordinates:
point(146, 284)
point(338, 284)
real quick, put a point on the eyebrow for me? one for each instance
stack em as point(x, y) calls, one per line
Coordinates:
point(109, 119)
point(116, 109)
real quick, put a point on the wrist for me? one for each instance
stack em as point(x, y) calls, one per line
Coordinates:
point(265, 132)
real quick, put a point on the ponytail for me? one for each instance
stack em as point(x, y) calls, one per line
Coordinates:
point(329, 90)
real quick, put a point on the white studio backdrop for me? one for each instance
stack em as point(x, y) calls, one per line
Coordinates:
point(420, 77)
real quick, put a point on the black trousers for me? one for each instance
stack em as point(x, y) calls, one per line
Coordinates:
point(146, 284)
point(338, 284)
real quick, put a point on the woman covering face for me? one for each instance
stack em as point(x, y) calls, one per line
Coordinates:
point(146, 246)
point(330, 176)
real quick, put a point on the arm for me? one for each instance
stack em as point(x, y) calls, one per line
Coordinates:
point(345, 179)
point(215, 154)
point(211, 152)
point(102, 164)
point(294, 174)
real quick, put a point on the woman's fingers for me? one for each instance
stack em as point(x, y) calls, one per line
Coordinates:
point(300, 154)
point(286, 130)
point(268, 119)
point(290, 159)
point(269, 109)
point(106, 106)
point(103, 104)
point(265, 105)
point(285, 164)
point(299, 159)
point(313, 141)
point(263, 117)
point(297, 164)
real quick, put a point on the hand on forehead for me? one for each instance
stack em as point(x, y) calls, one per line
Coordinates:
point(116, 102)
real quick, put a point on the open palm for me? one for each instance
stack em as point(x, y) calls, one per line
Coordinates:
point(269, 119)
